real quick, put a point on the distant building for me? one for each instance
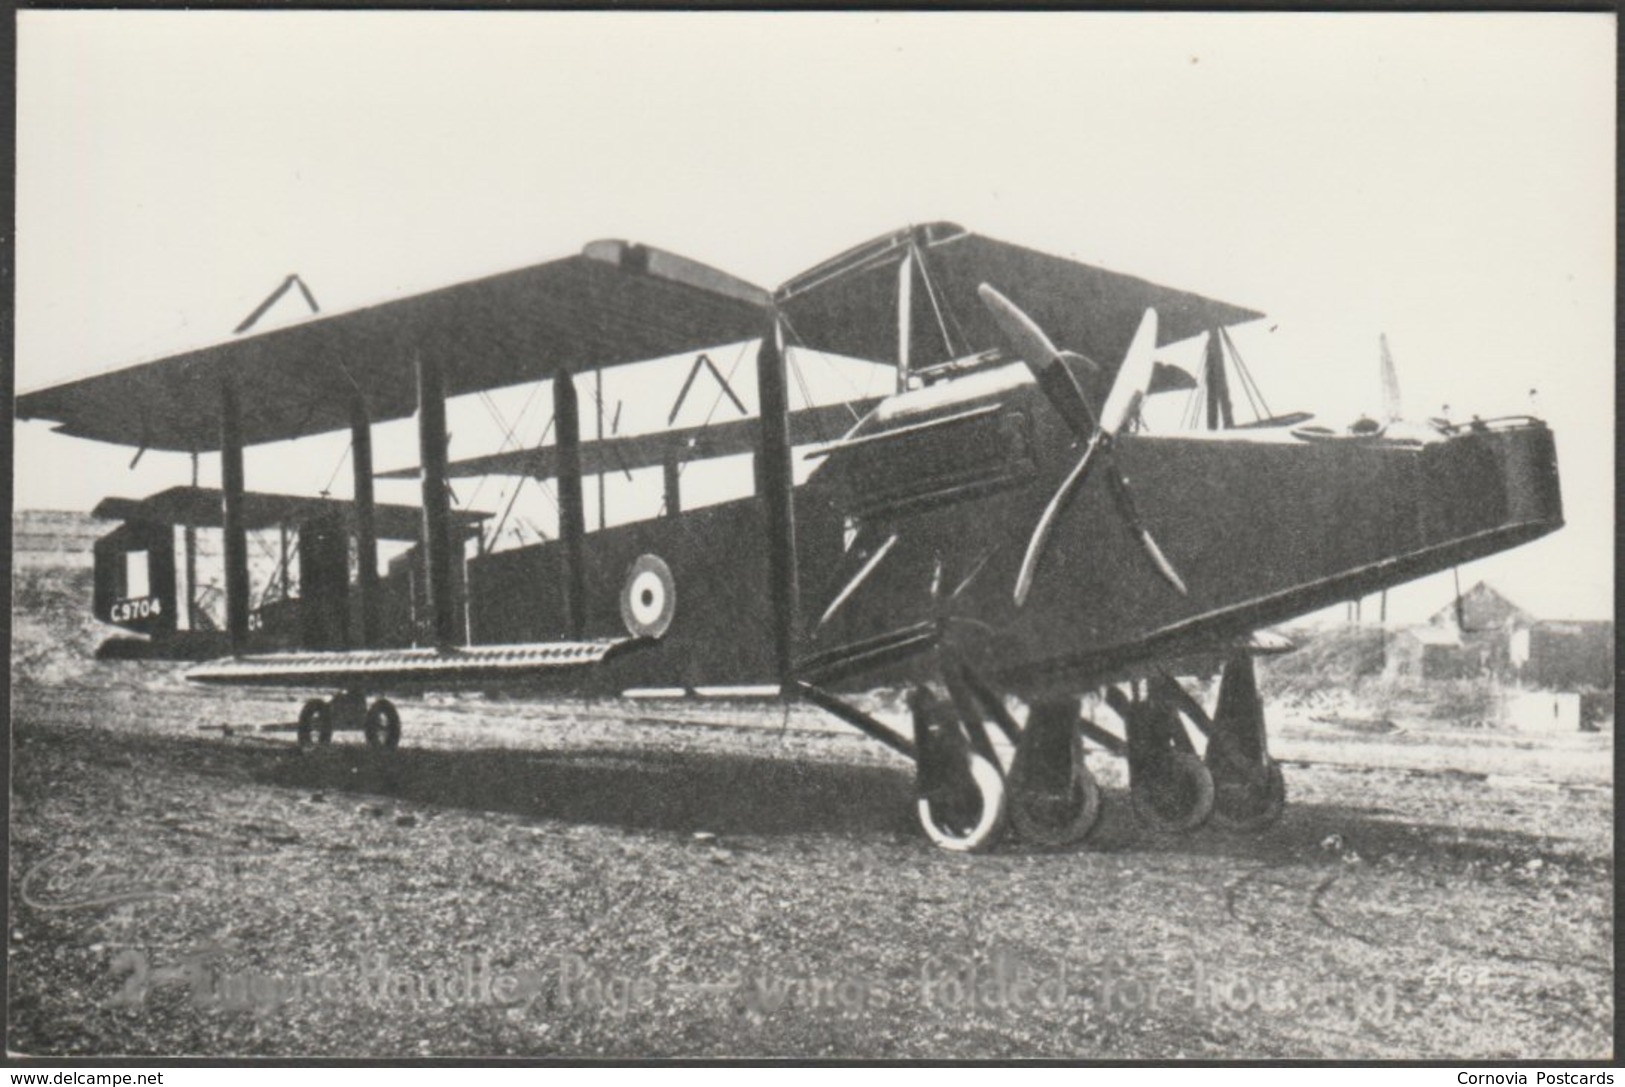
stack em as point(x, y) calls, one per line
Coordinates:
point(1433, 653)
point(1485, 634)
point(1485, 622)
point(53, 538)
point(1566, 656)
point(1482, 609)
point(1464, 639)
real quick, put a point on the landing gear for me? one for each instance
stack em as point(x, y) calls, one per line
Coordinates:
point(1251, 799)
point(965, 798)
point(1174, 794)
point(1054, 799)
point(315, 725)
point(348, 712)
point(1250, 789)
point(383, 725)
point(1171, 789)
point(961, 791)
point(1050, 796)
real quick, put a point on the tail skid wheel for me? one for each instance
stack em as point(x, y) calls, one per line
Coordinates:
point(383, 725)
point(315, 724)
point(971, 818)
point(1250, 799)
point(1174, 794)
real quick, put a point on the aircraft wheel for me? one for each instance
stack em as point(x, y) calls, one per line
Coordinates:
point(1056, 820)
point(969, 818)
point(383, 725)
point(1054, 799)
point(1174, 794)
point(1247, 800)
point(315, 724)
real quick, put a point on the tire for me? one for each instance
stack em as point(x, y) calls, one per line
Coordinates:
point(315, 724)
point(1048, 818)
point(1249, 802)
point(1176, 796)
point(969, 824)
point(383, 725)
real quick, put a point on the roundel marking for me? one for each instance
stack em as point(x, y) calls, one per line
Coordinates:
point(648, 597)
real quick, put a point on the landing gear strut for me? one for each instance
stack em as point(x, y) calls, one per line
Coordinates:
point(1054, 799)
point(1250, 792)
point(1172, 790)
point(961, 790)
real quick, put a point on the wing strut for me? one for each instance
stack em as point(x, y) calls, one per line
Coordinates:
point(436, 500)
point(775, 478)
point(572, 510)
point(366, 526)
point(231, 517)
point(1219, 413)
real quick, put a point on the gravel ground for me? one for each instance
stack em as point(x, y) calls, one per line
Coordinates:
point(658, 881)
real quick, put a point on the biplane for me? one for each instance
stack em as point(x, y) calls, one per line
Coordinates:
point(1002, 528)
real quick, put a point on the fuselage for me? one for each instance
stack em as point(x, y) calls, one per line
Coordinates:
point(908, 538)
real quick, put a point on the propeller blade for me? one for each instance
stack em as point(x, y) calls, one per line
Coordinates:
point(1148, 543)
point(1052, 512)
point(1087, 364)
point(1048, 364)
point(1022, 332)
point(1137, 376)
point(1390, 385)
point(1134, 378)
point(1066, 396)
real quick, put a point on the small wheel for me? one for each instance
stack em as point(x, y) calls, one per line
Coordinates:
point(315, 723)
point(971, 820)
point(1054, 813)
point(1251, 800)
point(1176, 796)
point(383, 725)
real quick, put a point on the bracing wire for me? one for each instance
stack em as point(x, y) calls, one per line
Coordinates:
point(936, 306)
point(344, 456)
point(1246, 374)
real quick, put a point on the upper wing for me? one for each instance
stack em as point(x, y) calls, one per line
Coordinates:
point(848, 304)
point(610, 304)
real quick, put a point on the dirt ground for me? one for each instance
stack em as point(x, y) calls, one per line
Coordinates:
point(641, 880)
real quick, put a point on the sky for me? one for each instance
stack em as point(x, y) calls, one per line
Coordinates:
point(1446, 180)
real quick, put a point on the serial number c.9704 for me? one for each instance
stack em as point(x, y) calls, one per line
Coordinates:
point(140, 608)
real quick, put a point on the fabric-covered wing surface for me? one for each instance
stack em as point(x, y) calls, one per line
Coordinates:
point(613, 303)
point(848, 305)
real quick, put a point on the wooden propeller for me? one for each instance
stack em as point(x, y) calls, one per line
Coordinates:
point(1128, 389)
